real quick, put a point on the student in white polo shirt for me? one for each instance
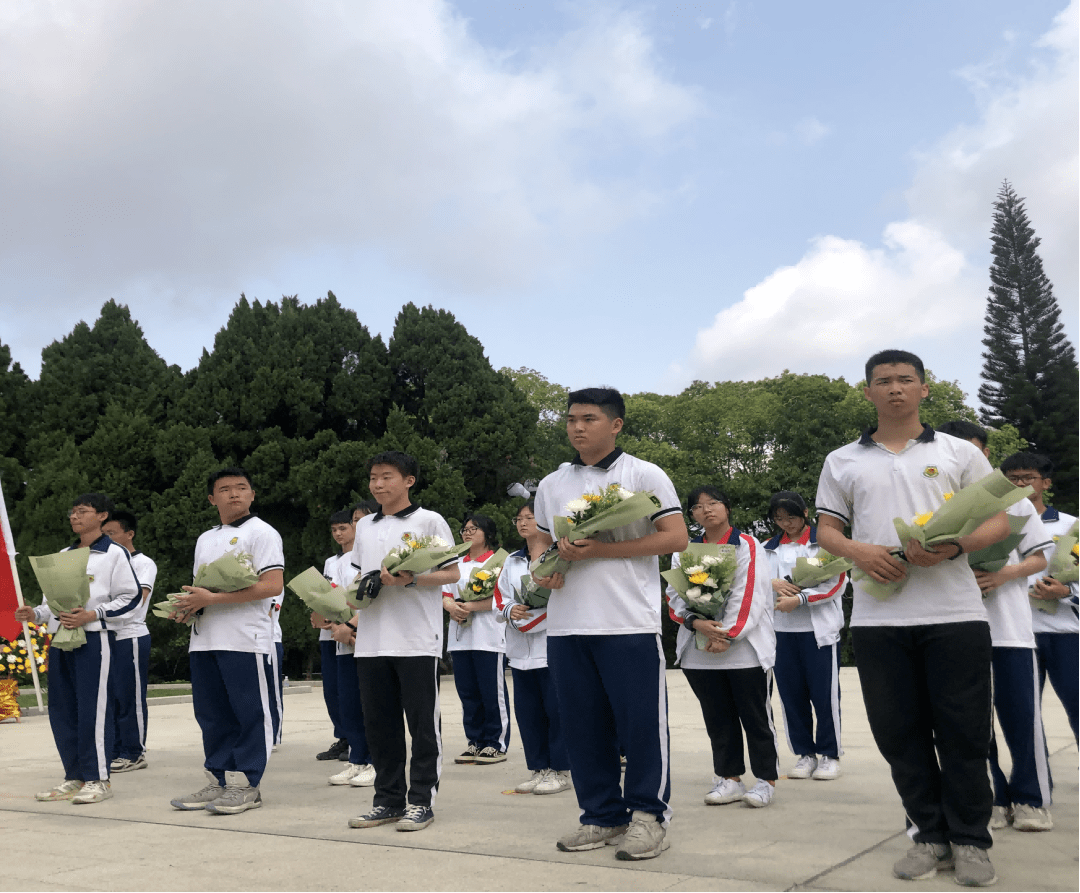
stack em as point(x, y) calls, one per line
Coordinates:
point(399, 639)
point(1022, 799)
point(231, 651)
point(923, 654)
point(604, 647)
point(1056, 631)
point(80, 712)
point(131, 656)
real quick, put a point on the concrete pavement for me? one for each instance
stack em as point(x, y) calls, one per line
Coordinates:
point(839, 835)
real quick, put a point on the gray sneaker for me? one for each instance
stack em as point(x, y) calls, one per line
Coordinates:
point(591, 837)
point(645, 839)
point(1001, 817)
point(973, 867)
point(923, 861)
point(1031, 818)
point(199, 799)
point(236, 798)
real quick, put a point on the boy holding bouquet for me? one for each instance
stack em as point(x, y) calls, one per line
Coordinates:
point(398, 646)
point(924, 652)
point(231, 651)
point(604, 647)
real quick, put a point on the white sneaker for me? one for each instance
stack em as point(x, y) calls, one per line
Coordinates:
point(63, 791)
point(827, 769)
point(346, 775)
point(365, 778)
point(1031, 818)
point(553, 782)
point(1000, 818)
point(760, 795)
point(726, 790)
point(527, 787)
point(804, 767)
point(93, 792)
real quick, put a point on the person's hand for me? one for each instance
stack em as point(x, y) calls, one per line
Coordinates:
point(879, 563)
point(1049, 589)
point(75, 619)
point(341, 632)
point(712, 630)
point(784, 587)
point(923, 557)
point(196, 599)
point(714, 646)
point(319, 622)
point(520, 612)
point(402, 579)
point(552, 581)
point(788, 603)
point(579, 550)
point(457, 610)
point(988, 581)
point(25, 614)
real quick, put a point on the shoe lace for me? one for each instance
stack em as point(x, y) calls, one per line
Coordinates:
point(414, 812)
point(93, 787)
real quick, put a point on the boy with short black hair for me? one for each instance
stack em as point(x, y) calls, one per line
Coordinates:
point(398, 645)
point(1056, 631)
point(924, 653)
point(131, 655)
point(231, 651)
point(604, 648)
point(80, 712)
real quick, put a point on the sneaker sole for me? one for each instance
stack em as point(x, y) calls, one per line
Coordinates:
point(362, 784)
point(333, 780)
point(414, 826)
point(614, 840)
point(754, 803)
point(461, 761)
point(127, 769)
point(56, 799)
point(723, 802)
point(79, 802)
point(188, 807)
point(232, 810)
point(555, 791)
point(651, 854)
point(374, 823)
point(925, 876)
point(487, 761)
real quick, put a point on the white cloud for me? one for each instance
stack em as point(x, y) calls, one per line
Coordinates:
point(183, 146)
point(843, 299)
point(810, 130)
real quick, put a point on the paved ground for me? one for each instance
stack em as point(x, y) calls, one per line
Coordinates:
point(841, 835)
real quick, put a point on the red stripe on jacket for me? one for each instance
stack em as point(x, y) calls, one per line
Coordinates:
point(748, 593)
point(823, 595)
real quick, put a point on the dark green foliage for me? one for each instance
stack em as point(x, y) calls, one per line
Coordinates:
point(1029, 370)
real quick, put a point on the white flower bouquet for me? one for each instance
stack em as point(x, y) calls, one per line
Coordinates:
point(321, 595)
point(480, 584)
point(703, 577)
point(593, 513)
point(809, 572)
point(66, 586)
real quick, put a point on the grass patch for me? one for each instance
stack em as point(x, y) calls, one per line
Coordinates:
point(30, 700)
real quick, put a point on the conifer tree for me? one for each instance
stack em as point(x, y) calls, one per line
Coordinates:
point(1029, 371)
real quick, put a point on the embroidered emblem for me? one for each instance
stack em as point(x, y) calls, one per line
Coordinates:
point(931, 471)
point(233, 541)
point(91, 576)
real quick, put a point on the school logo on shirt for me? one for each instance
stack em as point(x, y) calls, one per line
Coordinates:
point(91, 576)
point(233, 541)
point(931, 471)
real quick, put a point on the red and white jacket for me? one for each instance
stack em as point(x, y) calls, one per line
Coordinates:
point(822, 611)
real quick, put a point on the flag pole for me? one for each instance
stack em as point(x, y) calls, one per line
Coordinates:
point(5, 530)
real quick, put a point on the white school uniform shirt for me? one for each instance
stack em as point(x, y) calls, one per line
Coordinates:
point(404, 621)
point(342, 573)
point(277, 601)
point(526, 640)
point(1065, 620)
point(114, 590)
point(746, 614)
point(485, 632)
point(607, 596)
point(866, 485)
point(242, 627)
point(146, 572)
point(1008, 606)
point(823, 613)
point(328, 569)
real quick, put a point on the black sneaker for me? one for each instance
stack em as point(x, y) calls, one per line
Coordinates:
point(416, 818)
point(491, 755)
point(379, 815)
point(339, 750)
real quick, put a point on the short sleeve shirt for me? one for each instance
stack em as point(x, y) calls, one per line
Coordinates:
point(242, 627)
point(1064, 619)
point(146, 572)
point(1007, 606)
point(865, 485)
point(607, 596)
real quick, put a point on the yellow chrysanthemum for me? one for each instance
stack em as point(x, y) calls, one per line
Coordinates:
point(592, 497)
point(698, 579)
point(921, 520)
point(947, 496)
point(1076, 550)
point(413, 544)
point(482, 575)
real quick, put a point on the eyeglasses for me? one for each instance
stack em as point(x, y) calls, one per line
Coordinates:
point(701, 506)
point(80, 512)
point(469, 531)
point(1022, 480)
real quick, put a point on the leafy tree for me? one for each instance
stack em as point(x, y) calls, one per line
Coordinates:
point(547, 400)
point(442, 380)
point(14, 415)
point(1029, 370)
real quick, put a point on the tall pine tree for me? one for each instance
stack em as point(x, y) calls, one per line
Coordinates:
point(1029, 371)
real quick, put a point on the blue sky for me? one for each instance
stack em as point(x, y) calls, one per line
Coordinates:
point(726, 189)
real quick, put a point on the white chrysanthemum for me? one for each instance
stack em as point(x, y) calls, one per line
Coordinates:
point(816, 562)
point(693, 593)
point(439, 543)
point(710, 560)
point(576, 505)
point(696, 569)
point(624, 493)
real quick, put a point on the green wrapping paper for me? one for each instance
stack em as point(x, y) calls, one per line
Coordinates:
point(321, 596)
point(231, 572)
point(708, 602)
point(166, 608)
point(807, 574)
point(995, 556)
point(481, 584)
point(66, 587)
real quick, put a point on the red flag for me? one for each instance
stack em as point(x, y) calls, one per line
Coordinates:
point(10, 628)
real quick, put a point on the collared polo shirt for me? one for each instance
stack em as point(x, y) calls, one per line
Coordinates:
point(402, 621)
point(1064, 620)
point(486, 631)
point(134, 626)
point(866, 485)
point(607, 596)
point(1007, 606)
point(242, 627)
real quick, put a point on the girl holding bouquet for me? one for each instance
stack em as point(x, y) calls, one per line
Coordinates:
point(477, 640)
point(536, 703)
point(807, 623)
point(732, 676)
